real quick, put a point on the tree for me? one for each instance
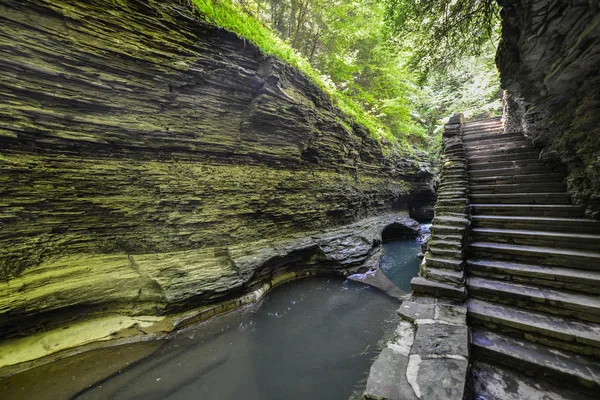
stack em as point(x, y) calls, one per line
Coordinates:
point(442, 31)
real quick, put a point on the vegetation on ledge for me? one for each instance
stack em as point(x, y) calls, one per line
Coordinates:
point(364, 58)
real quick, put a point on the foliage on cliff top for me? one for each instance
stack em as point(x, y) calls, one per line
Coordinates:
point(225, 14)
point(443, 31)
point(355, 54)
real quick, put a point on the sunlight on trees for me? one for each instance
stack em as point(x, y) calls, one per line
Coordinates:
point(398, 74)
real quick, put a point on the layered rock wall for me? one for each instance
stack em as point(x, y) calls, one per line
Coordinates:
point(146, 157)
point(549, 60)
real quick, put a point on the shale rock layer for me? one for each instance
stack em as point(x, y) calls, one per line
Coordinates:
point(140, 148)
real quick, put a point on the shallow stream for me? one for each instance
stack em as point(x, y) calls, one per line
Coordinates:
point(310, 339)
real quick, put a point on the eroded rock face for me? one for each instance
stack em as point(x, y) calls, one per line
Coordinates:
point(138, 297)
point(148, 159)
point(132, 127)
point(549, 60)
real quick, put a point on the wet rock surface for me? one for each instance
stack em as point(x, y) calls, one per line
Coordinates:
point(199, 279)
point(491, 382)
point(428, 357)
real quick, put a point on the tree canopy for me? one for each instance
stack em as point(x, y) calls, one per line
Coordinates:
point(443, 31)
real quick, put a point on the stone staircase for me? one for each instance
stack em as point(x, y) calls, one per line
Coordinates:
point(533, 264)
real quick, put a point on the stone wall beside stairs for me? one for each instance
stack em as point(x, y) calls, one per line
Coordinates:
point(549, 59)
point(428, 357)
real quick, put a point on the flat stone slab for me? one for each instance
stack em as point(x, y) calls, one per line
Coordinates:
point(421, 285)
point(437, 378)
point(412, 310)
point(535, 357)
point(496, 382)
point(387, 378)
point(451, 314)
point(378, 280)
point(441, 339)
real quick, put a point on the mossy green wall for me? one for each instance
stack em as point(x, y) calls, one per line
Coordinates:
point(151, 162)
point(133, 127)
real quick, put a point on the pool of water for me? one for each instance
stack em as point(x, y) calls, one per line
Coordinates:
point(310, 339)
point(400, 262)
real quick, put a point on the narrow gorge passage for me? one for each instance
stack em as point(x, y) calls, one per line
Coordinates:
point(220, 199)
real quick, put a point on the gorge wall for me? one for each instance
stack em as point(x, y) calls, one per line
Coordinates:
point(549, 59)
point(150, 160)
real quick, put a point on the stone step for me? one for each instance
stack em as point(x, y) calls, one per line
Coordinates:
point(445, 244)
point(577, 336)
point(580, 259)
point(450, 209)
point(444, 263)
point(507, 147)
point(497, 119)
point(497, 151)
point(456, 253)
point(536, 359)
point(574, 280)
point(537, 168)
point(557, 177)
point(490, 128)
point(444, 275)
point(452, 202)
point(553, 224)
point(451, 195)
point(486, 120)
point(502, 163)
point(546, 187)
point(563, 240)
point(581, 306)
point(541, 210)
point(487, 137)
point(436, 237)
point(493, 121)
point(454, 169)
point(521, 198)
point(427, 287)
point(495, 141)
point(446, 229)
point(515, 144)
point(475, 159)
point(450, 220)
point(454, 176)
point(452, 186)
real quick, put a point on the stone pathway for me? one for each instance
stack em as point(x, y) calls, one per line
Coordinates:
point(429, 356)
point(509, 250)
point(533, 265)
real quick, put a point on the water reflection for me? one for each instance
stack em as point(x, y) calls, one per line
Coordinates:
point(313, 338)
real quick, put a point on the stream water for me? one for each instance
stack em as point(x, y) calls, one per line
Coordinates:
point(310, 339)
point(400, 262)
